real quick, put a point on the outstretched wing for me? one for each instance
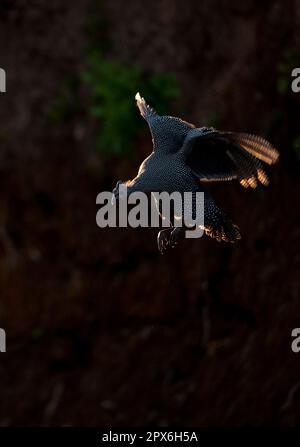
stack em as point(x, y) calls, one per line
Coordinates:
point(221, 156)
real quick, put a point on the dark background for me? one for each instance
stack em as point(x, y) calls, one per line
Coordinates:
point(102, 329)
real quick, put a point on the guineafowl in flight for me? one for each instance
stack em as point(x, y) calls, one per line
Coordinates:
point(185, 157)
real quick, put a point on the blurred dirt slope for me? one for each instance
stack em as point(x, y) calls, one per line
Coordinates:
point(101, 329)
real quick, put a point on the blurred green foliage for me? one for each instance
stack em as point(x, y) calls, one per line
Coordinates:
point(111, 87)
point(296, 146)
point(37, 334)
point(67, 106)
point(284, 70)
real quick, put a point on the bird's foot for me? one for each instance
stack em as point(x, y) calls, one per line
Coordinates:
point(176, 234)
point(169, 237)
point(163, 238)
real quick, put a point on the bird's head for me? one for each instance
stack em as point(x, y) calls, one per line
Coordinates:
point(147, 112)
point(163, 128)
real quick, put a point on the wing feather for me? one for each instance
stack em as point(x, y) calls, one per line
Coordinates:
point(224, 156)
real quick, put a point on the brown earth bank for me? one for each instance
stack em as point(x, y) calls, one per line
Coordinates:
point(102, 329)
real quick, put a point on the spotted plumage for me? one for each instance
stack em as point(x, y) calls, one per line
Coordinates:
point(186, 158)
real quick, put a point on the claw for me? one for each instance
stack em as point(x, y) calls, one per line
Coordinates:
point(163, 240)
point(175, 236)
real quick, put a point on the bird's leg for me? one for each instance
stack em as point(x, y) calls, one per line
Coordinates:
point(163, 238)
point(177, 233)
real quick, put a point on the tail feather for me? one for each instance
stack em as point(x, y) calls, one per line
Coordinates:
point(226, 232)
point(217, 225)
